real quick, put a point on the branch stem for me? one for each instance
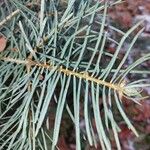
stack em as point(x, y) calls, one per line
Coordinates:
point(82, 75)
point(9, 17)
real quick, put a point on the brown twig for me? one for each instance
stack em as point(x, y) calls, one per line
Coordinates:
point(82, 75)
point(9, 17)
point(121, 88)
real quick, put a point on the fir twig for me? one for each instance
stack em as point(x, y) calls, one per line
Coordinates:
point(9, 17)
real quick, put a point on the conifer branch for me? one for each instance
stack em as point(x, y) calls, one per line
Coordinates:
point(82, 75)
point(9, 17)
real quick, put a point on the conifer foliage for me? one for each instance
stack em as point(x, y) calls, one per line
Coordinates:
point(56, 60)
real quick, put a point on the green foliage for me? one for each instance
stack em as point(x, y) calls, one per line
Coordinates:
point(65, 44)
